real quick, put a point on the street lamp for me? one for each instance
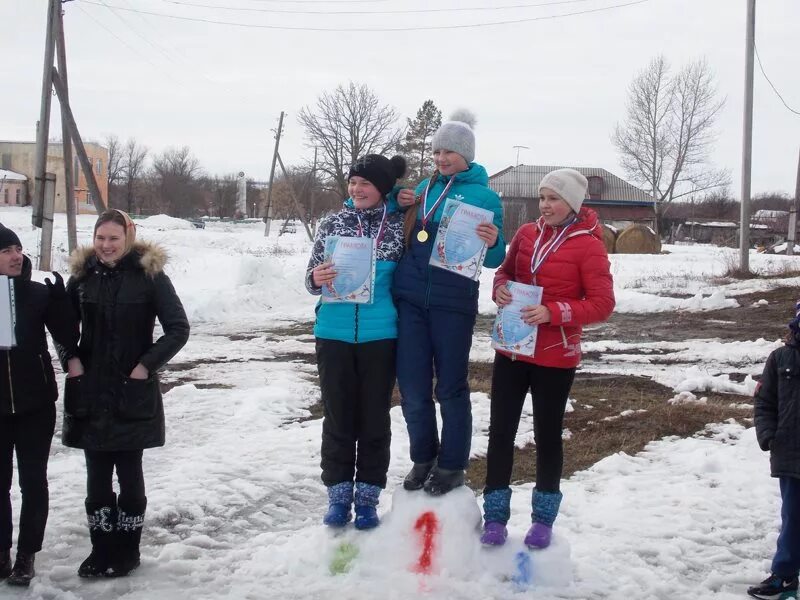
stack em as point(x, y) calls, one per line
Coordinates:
point(518, 149)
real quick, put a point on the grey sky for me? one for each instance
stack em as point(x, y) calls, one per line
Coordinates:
point(557, 86)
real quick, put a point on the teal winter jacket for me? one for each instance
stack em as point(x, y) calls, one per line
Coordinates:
point(357, 323)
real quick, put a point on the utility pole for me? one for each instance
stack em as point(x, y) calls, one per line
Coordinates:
point(46, 250)
point(43, 127)
point(268, 212)
point(72, 126)
point(793, 213)
point(747, 140)
point(66, 139)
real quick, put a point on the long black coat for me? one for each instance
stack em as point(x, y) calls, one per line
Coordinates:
point(105, 409)
point(27, 380)
point(777, 411)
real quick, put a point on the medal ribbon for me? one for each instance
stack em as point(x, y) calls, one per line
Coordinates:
point(381, 229)
point(426, 214)
point(541, 254)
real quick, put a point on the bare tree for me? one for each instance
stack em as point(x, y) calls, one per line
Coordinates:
point(666, 138)
point(133, 166)
point(115, 165)
point(176, 174)
point(345, 124)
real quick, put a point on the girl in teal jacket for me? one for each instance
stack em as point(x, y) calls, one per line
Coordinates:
point(356, 347)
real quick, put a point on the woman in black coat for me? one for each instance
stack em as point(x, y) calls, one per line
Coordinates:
point(27, 404)
point(112, 401)
point(776, 407)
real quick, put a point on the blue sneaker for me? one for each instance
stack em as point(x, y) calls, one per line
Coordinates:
point(366, 517)
point(775, 587)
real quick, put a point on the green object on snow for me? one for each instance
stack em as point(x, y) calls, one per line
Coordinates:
point(343, 558)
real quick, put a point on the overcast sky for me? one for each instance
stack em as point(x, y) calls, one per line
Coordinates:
point(557, 86)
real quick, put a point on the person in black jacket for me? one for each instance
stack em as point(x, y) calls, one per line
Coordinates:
point(112, 401)
point(27, 404)
point(777, 419)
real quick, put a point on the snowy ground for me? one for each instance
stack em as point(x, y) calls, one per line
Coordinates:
point(235, 499)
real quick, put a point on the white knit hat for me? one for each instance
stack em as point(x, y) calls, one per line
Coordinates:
point(567, 183)
point(457, 135)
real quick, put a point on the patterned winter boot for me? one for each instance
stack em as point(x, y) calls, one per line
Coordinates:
point(102, 520)
point(130, 520)
point(5, 563)
point(496, 512)
point(366, 499)
point(23, 570)
point(545, 511)
point(340, 498)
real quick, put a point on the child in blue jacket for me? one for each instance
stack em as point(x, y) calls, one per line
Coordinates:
point(437, 310)
point(356, 348)
point(777, 419)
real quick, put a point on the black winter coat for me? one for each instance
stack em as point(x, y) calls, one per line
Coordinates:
point(27, 380)
point(777, 411)
point(105, 409)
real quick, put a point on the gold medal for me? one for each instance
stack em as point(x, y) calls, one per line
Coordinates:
point(422, 236)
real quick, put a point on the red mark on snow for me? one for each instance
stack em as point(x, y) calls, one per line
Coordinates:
point(427, 524)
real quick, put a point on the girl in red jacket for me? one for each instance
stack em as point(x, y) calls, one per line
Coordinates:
point(563, 253)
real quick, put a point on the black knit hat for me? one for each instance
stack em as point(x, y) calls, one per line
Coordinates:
point(380, 171)
point(8, 237)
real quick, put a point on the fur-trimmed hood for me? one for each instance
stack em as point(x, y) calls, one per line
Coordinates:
point(149, 256)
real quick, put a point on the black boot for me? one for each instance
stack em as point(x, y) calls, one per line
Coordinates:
point(23, 571)
point(102, 521)
point(130, 521)
point(417, 475)
point(5, 563)
point(441, 481)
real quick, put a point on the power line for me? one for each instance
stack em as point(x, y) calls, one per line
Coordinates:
point(119, 39)
point(372, 12)
point(371, 29)
point(774, 89)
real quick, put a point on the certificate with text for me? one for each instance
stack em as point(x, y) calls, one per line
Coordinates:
point(353, 260)
point(510, 333)
point(457, 247)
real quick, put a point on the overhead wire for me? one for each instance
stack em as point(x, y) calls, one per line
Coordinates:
point(373, 29)
point(774, 89)
point(373, 12)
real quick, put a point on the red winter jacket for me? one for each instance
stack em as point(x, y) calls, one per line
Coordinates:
point(577, 283)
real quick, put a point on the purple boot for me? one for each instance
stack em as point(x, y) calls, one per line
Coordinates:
point(538, 536)
point(494, 534)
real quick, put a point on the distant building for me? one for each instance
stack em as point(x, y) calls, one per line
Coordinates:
point(13, 188)
point(20, 157)
point(617, 202)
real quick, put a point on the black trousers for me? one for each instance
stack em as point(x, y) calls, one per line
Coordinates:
point(549, 387)
point(30, 435)
point(356, 381)
point(100, 477)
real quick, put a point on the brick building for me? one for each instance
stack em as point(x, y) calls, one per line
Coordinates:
point(20, 157)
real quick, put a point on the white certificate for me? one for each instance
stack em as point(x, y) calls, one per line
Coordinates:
point(510, 333)
point(457, 247)
point(353, 260)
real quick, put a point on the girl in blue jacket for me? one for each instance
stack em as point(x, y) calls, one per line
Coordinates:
point(437, 310)
point(356, 348)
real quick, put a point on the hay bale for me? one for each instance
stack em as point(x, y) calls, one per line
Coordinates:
point(609, 237)
point(638, 239)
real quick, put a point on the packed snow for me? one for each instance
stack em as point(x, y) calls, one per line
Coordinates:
point(235, 499)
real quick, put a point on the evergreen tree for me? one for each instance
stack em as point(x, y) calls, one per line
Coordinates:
point(417, 145)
